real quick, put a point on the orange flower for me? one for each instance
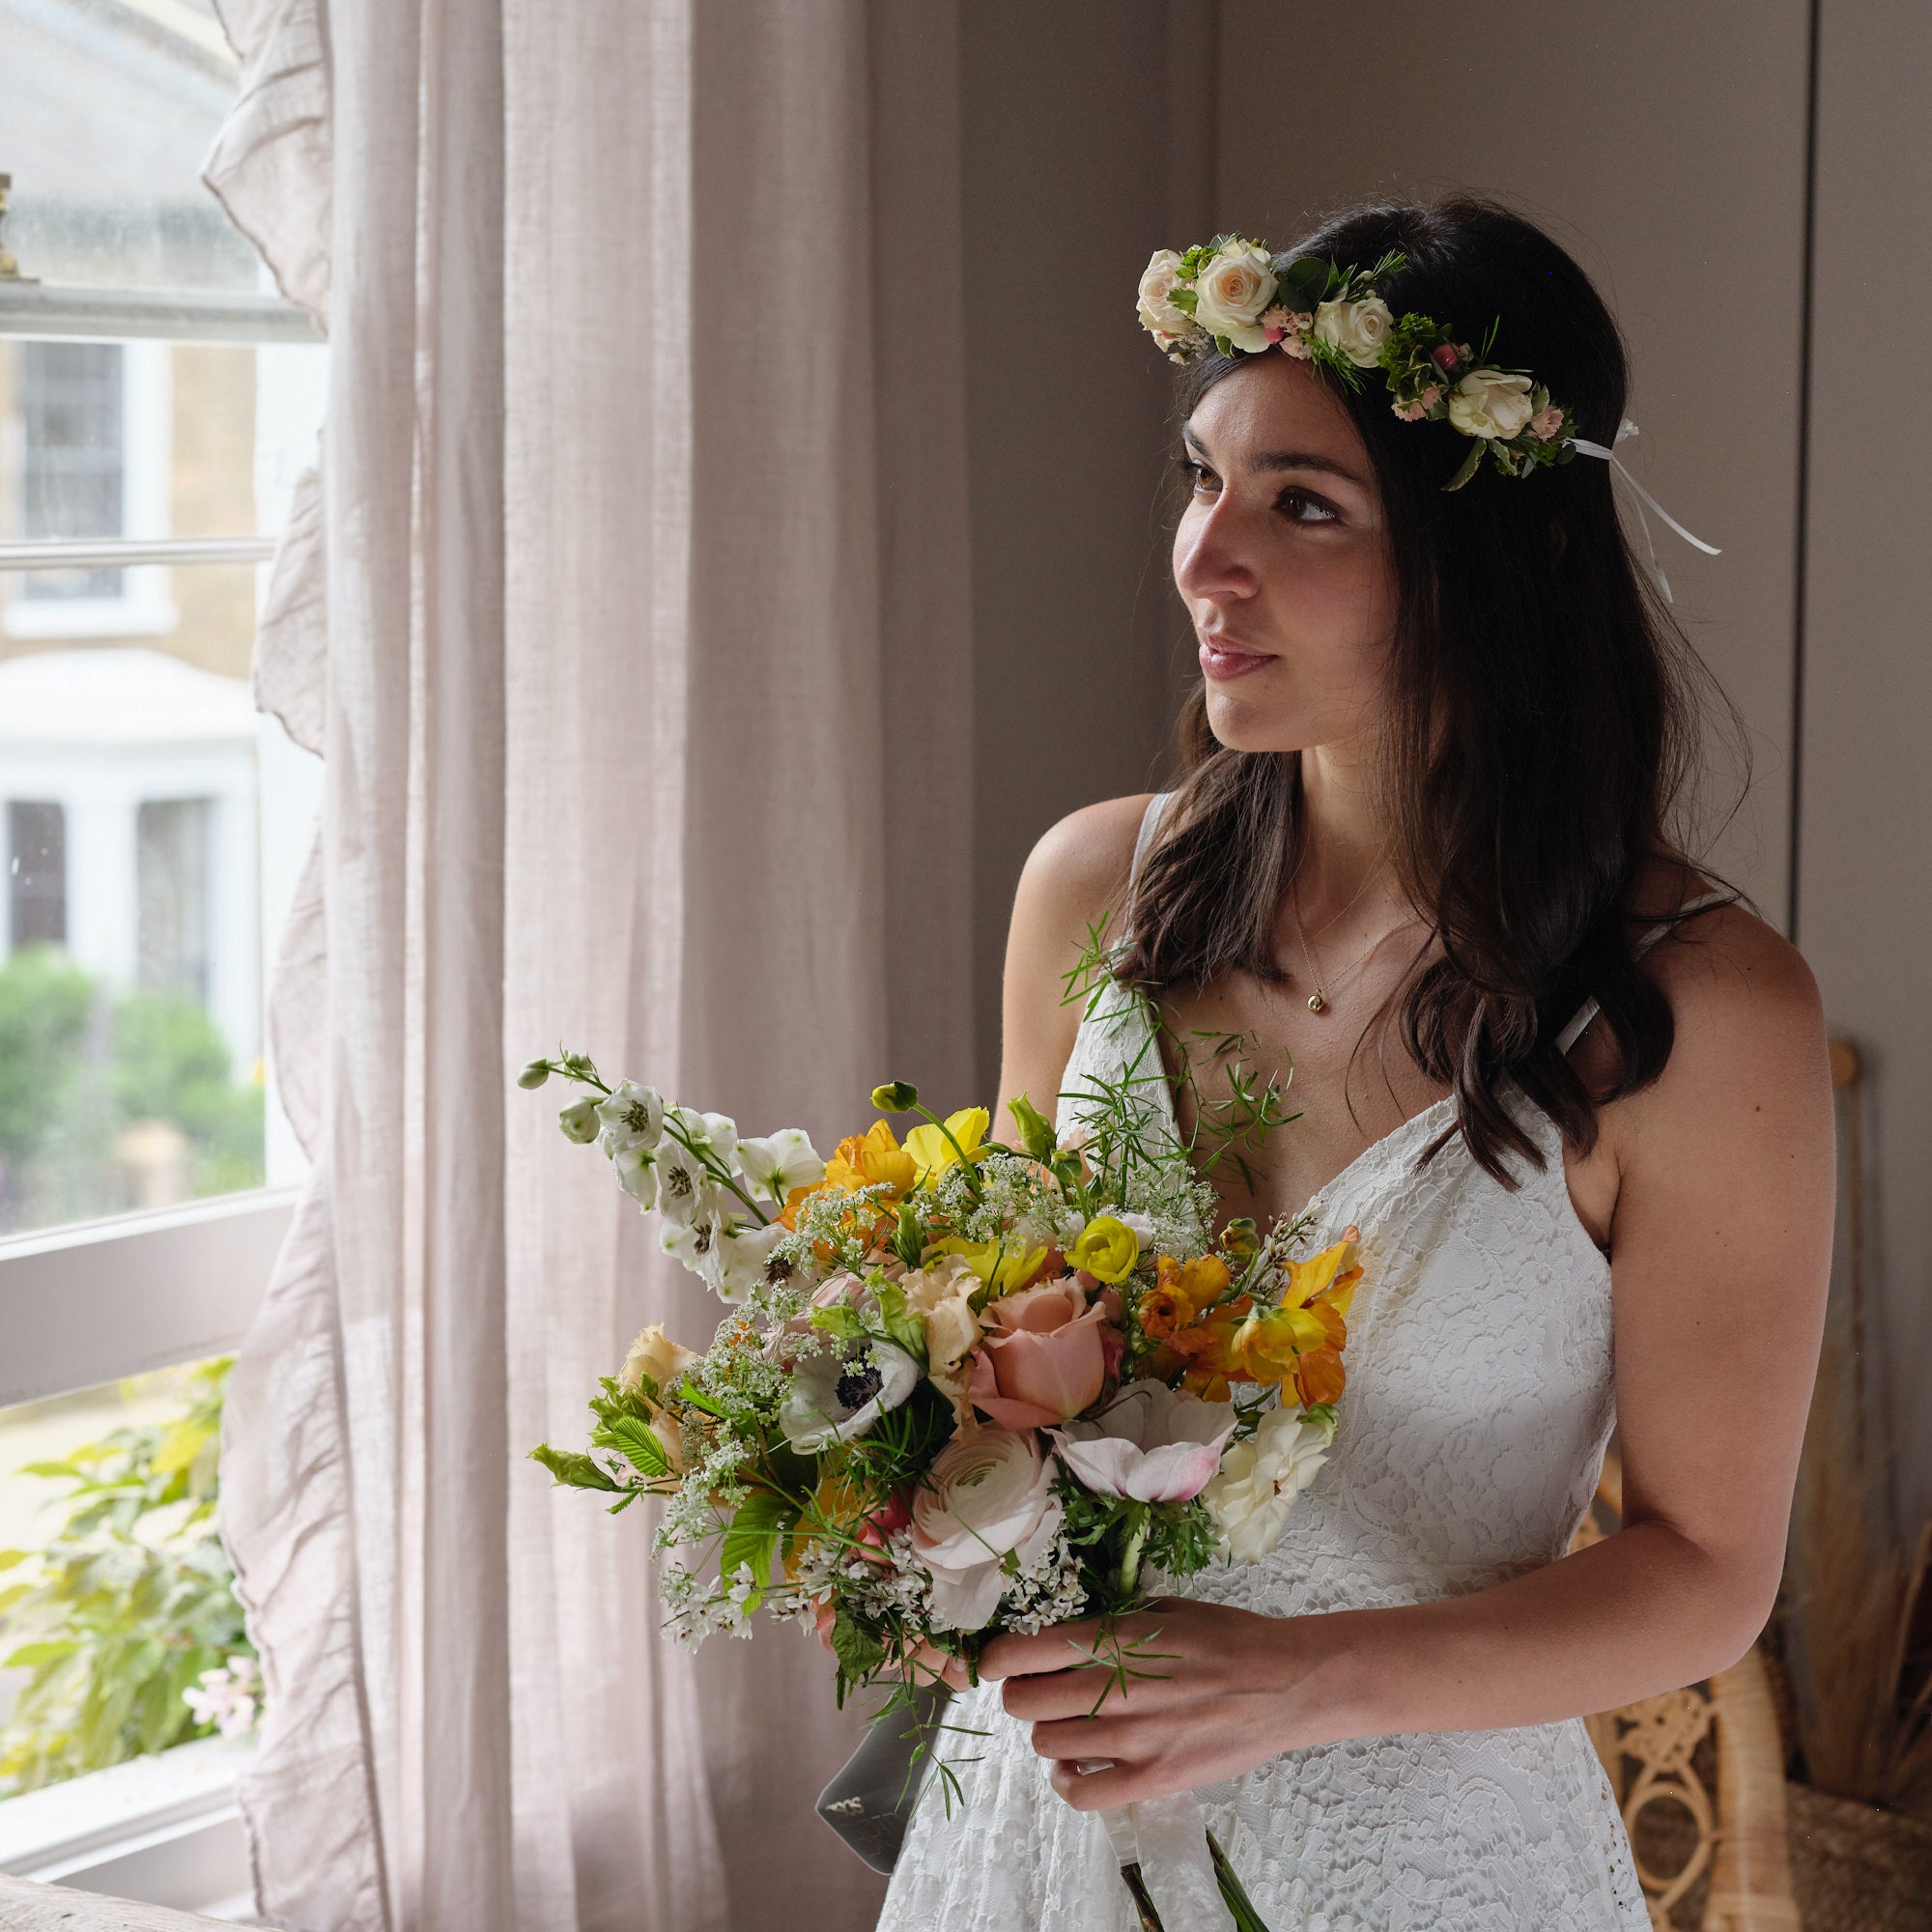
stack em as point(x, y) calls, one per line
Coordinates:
point(1300, 1338)
point(866, 1160)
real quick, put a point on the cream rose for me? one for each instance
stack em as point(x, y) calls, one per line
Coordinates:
point(1156, 309)
point(656, 1356)
point(1488, 403)
point(941, 1294)
point(1359, 329)
point(987, 1493)
point(1231, 290)
point(1260, 1478)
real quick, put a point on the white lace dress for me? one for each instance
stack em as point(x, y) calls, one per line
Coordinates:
point(1469, 1442)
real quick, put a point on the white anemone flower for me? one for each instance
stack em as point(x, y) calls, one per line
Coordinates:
point(774, 1164)
point(835, 1397)
point(632, 1118)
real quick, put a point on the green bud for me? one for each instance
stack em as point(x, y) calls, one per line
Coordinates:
point(1240, 1243)
point(1036, 1133)
point(896, 1097)
point(534, 1074)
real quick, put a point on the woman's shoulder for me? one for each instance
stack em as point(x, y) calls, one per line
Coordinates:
point(1079, 866)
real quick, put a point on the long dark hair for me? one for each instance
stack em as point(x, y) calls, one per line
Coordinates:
point(1541, 719)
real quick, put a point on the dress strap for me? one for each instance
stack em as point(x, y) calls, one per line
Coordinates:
point(1589, 1009)
point(1149, 819)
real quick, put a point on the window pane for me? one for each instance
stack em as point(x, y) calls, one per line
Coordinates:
point(155, 824)
point(74, 453)
point(110, 111)
point(118, 1630)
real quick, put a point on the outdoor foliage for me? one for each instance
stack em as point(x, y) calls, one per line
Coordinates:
point(78, 1065)
point(127, 1606)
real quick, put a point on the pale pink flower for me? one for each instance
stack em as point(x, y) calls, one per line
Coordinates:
point(1153, 1443)
point(1546, 421)
point(987, 1493)
point(1043, 1357)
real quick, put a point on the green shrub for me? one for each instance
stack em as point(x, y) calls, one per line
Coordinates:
point(130, 1600)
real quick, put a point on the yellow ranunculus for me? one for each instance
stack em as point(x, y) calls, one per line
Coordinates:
point(1106, 1248)
point(931, 1150)
point(1003, 1266)
point(866, 1160)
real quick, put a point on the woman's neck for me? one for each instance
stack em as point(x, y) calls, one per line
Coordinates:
point(1344, 840)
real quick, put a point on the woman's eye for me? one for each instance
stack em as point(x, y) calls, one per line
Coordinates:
point(1197, 474)
point(1304, 508)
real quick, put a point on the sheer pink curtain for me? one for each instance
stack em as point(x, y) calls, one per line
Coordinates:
point(629, 612)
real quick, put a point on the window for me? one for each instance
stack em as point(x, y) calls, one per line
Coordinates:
point(158, 402)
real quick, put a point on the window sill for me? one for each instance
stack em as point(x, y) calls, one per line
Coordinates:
point(162, 1829)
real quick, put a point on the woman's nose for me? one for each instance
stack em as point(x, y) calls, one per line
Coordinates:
point(1210, 554)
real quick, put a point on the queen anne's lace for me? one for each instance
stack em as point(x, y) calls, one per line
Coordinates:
point(1478, 1407)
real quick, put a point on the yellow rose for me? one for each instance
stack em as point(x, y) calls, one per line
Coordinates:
point(1107, 1249)
point(933, 1152)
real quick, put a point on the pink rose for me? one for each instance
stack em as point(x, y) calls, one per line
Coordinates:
point(1043, 1359)
point(1153, 1443)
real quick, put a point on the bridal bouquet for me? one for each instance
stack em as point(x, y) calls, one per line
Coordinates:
point(959, 1387)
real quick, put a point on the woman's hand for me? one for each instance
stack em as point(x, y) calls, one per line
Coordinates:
point(1209, 1691)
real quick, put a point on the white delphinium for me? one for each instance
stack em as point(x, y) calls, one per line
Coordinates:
point(638, 1176)
point(632, 1119)
point(739, 1257)
point(774, 1164)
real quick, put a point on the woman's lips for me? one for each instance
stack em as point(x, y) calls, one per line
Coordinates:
point(1224, 659)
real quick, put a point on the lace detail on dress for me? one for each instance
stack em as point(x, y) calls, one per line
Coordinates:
point(1470, 1439)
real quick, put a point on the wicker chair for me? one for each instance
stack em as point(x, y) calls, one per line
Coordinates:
point(1735, 1851)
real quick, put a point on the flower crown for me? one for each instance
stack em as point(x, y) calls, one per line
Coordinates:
point(1231, 292)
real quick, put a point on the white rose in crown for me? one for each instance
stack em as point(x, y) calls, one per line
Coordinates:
point(1488, 403)
point(1359, 329)
point(1260, 1478)
point(1231, 290)
point(1158, 311)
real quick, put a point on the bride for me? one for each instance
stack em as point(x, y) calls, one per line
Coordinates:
point(1575, 1097)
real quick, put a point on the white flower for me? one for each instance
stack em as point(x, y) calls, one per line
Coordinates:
point(1140, 1226)
point(225, 1696)
point(1359, 329)
point(738, 1257)
point(835, 1397)
point(1261, 1478)
point(637, 1175)
point(693, 1241)
point(1231, 291)
point(1151, 1443)
point(986, 1493)
point(775, 1163)
point(1155, 308)
point(632, 1118)
point(715, 1134)
point(654, 1354)
point(686, 1186)
point(1488, 403)
point(579, 1121)
point(943, 1293)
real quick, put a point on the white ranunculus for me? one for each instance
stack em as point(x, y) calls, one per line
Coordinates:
point(1153, 1443)
point(632, 1118)
point(1156, 305)
point(987, 1493)
point(1359, 329)
point(1260, 1478)
point(774, 1164)
point(836, 1395)
point(1486, 401)
point(1231, 291)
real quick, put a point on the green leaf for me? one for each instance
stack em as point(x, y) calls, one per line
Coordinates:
point(1469, 463)
point(571, 1467)
point(901, 1323)
point(641, 1446)
point(840, 1321)
point(1307, 281)
point(859, 1654)
point(754, 1539)
point(32, 1656)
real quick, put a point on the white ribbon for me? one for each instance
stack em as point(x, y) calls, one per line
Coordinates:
point(1586, 447)
point(1167, 1837)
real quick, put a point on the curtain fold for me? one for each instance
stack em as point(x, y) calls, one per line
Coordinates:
point(629, 612)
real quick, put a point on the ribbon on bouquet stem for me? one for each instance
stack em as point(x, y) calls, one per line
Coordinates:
point(1586, 448)
point(1167, 1839)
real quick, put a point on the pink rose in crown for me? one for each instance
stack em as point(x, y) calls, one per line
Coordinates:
point(1044, 1355)
point(1151, 1443)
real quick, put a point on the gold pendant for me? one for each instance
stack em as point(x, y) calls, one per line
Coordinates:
point(1317, 1004)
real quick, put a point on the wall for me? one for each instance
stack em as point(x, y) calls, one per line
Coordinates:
point(1864, 883)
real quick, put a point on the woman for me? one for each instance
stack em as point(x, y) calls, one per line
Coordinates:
point(1575, 1097)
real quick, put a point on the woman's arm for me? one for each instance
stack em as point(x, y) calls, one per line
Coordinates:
point(1721, 1248)
point(1077, 868)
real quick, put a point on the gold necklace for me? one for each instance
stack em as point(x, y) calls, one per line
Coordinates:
point(1317, 1001)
